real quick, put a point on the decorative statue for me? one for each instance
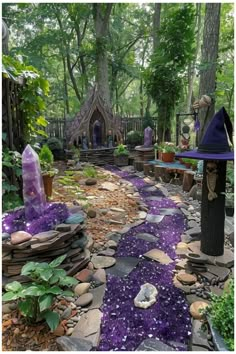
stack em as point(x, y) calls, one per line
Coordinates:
point(84, 141)
point(185, 137)
point(211, 177)
point(148, 137)
point(109, 139)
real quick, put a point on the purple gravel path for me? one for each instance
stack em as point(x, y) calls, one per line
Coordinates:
point(125, 326)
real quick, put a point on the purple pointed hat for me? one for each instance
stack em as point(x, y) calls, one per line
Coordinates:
point(215, 142)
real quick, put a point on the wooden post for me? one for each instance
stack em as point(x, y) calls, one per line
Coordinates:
point(213, 214)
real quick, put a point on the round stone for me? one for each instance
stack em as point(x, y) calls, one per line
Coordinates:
point(84, 300)
point(99, 276)
point(84, 275)
point(111, 244)
point(196, 307)
point(187, 279)
point(20, 237)
point(91, 213)
point(103, 261)
point(90, 181)
point(82, 288)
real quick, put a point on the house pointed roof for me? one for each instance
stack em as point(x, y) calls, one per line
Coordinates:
point(94, 102)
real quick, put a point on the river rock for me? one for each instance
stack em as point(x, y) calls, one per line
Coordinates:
point(103, 261)
point(91, 213)
point(82, 288)
point(146, 296)
point(84, 300)
point(63, 228)
point(75, 219)
point(99, 276)
point(5, 236)
point(159, 256)
point(44, 236)
point(108, 186)
point(187, 279)
point(91, 181)
point(195, 307)
point(70, 344)
point(20, 237)
point(84, 275)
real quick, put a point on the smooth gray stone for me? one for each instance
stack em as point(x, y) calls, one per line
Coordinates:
point(69, 344)
point(153, 344)
point(194, 231)
point(5, 236)
point(150, 189)
point(107, 252)
point(63, 227)
point(199, 337)
point(147, 237)
point(154, 218)
point(154, 198)
point(80, 243)
point(98, 295)
point(123, 266)
point(113, 236)
point(169, 211)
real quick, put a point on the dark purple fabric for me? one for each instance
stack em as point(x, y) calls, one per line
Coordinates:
point(125, 326)
point(194, 154)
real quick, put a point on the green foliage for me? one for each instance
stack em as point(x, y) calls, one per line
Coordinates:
point(11, 163)
point(46, 161)
point(90, 172)
point(54, 144)
point(121, 151)
point(164, 76)
point(167, 147)
point(32, 95)
point(221, 313)
point(134, 137)
point(37, 297)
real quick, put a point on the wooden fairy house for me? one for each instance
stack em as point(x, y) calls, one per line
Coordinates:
point(95, 123)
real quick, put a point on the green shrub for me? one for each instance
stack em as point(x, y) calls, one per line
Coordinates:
point(121, 151)
point(221, 313)
point(11, 200)
point(36, 298)
point(45, 155)
point(134, 138)
point(90, 172)
point(54, 144)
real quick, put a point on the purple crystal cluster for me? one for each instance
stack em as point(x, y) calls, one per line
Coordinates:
point(125, 326)
point(33, 189)
point(54, 213)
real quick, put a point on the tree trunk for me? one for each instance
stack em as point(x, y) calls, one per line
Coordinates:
point(209, 60)
point(156, 25)
point(192, 66)
point(101, 20)
point(65, 87)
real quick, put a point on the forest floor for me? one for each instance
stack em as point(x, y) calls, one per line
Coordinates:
point(142, 230)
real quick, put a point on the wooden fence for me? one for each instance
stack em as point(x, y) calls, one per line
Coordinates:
point(57, 126)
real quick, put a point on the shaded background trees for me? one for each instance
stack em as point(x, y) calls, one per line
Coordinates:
point(148, 59)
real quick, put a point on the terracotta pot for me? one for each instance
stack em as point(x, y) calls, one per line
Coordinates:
point(167, 156)
point(47, 182)
point(121, 160)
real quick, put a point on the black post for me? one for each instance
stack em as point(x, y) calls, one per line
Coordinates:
point(213, 213)
point(177, 129)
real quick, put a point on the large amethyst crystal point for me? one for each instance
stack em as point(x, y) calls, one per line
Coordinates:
point(33, 190)
point(148, 137)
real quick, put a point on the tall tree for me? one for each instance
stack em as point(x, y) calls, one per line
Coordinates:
point(209, 56)
point(101, 14)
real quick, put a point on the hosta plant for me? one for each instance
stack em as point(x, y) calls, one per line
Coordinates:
point(36, 298)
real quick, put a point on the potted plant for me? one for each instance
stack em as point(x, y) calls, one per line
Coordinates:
point(220, 317)
point(187, 162)
point(167, 151)
point(48, 171)
point(121, 155)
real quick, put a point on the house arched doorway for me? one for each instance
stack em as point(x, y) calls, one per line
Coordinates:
point(97, 129)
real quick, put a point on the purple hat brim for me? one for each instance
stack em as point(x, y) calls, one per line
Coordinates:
point(195, 154)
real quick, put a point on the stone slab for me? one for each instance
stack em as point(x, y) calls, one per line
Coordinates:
point(154, 218)
point(88, 327)
point(169, 211)
point(227, 260)
point(70, 344)
point(221, 272)
point(98, 295)
point(159, 256)
point(152, 345)
point(147, 237)
point(193, 298)
point(123, 266)
point(153, 198)
point(199, 337)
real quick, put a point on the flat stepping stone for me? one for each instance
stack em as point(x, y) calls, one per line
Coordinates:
point(187, 279)
point(221, 272)
point(123, 266)
point(199, 337)
point(84, 300)
point(196, 257)
point(227, 260)
point(159, 256)
point(154, 198)
point(88, 327)
point(62, 228)
point(152, 345)
point(154, 218)
point(196, 307)
point(195, 231)
point(107, 252)
point(169, 211)
point(197, 348)
point(193, 298)
point(69, 344)
point(147, 237)
point(103, 261)
point(45, 236)
point(98, 295)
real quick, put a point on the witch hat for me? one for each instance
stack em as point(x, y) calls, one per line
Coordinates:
point(216, 142)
